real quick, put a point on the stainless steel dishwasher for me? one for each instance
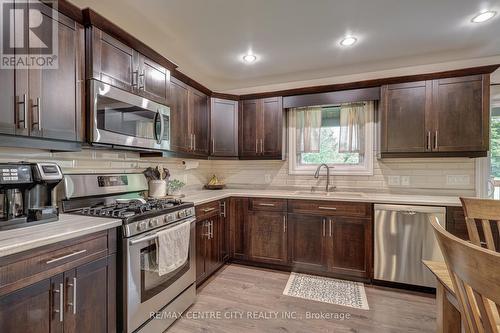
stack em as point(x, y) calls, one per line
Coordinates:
point(403, 238)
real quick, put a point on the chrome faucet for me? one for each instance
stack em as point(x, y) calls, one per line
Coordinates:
point(316, 175)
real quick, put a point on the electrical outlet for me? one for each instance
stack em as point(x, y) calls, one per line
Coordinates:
point(405, 180)
point(457, 180)
point(267, 178)
point(185, 179)
point(394, 180)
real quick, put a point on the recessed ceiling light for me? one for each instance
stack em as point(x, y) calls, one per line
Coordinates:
point(348, 41)
point(249, 58)
point(483, 16)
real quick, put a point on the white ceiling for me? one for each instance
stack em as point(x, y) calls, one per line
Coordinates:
point(297, 40)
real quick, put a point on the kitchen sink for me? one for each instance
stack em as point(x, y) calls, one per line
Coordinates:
point(331, 194)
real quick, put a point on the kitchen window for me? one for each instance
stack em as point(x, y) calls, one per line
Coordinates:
point(340, 136)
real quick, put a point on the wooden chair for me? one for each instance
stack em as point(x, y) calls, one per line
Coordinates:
point(475, 274)
point(486, 212)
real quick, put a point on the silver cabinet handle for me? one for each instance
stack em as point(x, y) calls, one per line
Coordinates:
point(191, 141)
point(211, 225)
point(142, 79)
point(194, 141)
point(213, 146)
point(222, 208)
point(284, 224)
point(330, 227)
point(38, 105)
point(72, 254)
point(436, 140)
point(261, 146)
point(61, 302)
point(429, 140)
point(327, 208)
point(24, 102)
point(256, 146)
point(324, 227)
point(266, 204)
point(136, 74)
point(206, 210)
point(73, 303)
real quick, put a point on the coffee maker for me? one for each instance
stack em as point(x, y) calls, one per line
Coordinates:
point(27, 194)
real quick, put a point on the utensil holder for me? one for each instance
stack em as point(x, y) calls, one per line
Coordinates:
point(157, 188)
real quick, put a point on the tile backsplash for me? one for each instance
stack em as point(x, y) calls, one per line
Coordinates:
point(446, 176)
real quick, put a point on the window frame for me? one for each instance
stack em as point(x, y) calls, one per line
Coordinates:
point(364, 169)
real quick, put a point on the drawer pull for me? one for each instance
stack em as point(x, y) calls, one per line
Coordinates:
point(206, 210)
point(267, 204)
point(327, 208)
point(73, 304)
point(51, 261)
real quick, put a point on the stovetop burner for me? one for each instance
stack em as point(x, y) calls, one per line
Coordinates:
point(134, 209)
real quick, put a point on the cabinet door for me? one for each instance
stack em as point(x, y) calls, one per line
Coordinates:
point(113, 62)
point(405, 108)
point(224, 128)
point(349, 249)
point(213, 258)
point(238, 242)
point(180, 129)
point(271, 128)
point(307, 238)
point(461, 108)
point(199, 104)
point(267, 237)
point(32, 309)
point(224, 230)
point(249, 133)
point(201, 236)
point(8, 102)
point(87, 298)
point(154, 80)
point(56, 95)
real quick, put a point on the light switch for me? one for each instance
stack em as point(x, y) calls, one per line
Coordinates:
point(405, 180)
point(394, 180)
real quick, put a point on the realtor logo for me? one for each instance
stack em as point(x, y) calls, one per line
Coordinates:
point(29, 35)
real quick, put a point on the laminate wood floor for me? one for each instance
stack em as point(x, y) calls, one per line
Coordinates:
point(253, 298)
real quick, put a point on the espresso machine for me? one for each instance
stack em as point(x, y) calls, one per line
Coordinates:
point(27, 194)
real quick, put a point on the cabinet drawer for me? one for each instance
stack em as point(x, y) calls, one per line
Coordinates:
point(34, 265)
point(207, 210)
point(268, 204)
point(331, 208)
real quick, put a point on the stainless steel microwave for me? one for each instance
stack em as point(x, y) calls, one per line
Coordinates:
point(120, 118)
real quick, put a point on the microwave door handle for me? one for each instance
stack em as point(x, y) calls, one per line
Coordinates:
point(162, 127)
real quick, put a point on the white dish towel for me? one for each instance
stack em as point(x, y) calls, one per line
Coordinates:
point(172, 248)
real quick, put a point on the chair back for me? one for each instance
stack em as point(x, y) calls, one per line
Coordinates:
point(475, 274)
point(486, 213)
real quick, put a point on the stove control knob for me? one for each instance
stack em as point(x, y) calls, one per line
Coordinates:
point(182, 214)
point(154, 223)
point(141, 226)
point(169, 218)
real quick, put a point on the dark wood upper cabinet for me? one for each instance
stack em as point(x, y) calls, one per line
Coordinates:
point(121, 66)
point(199, 105)
point(403, 114)
point(153, 80)
point(111, 61)
point(261, 128)
point(307, 242)
point(461, 113)
point(267, 237)
point(47, 102)
point(56, 95)
point(180, 131)
point(442, 117)
point(224, 128)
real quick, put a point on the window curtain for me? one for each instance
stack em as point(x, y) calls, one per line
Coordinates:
point(308, 127)
point(352, 126)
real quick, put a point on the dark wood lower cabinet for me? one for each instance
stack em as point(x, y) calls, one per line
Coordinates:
point(77, 295)
point(307, 242)
point(267, 237)
point(209, 256)
point(349, 246)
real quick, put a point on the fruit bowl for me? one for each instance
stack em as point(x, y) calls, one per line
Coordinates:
point(215, 186)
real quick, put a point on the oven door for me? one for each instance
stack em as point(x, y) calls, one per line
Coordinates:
point(145, 290)
point(121, 118)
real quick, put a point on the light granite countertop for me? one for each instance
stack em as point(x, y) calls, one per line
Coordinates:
point(69, 226)
point(204, 196)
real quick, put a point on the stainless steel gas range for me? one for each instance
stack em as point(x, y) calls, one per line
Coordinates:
point(145, 294)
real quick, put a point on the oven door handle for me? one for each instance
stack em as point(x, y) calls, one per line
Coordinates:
point(153, 236)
